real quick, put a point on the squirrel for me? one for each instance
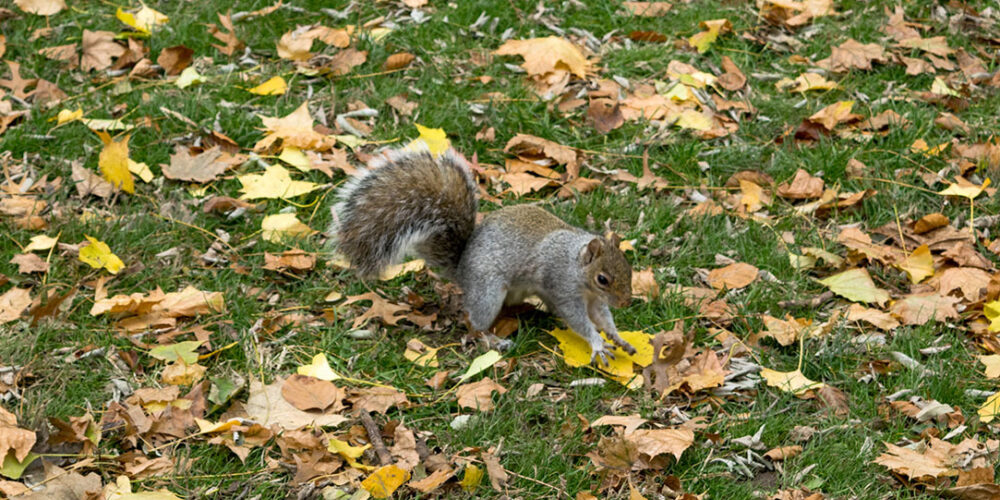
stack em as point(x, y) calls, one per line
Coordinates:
point(410, 201)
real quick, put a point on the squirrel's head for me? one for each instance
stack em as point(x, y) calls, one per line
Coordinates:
point(607, 272)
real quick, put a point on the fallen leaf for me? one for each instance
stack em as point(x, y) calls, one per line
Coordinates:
point(13, 302)
point(280, 227)
point(544, 55)
point(782, 453)
point(98, 255)
point(398, 61)
point(733, 276)
point(266, 405)
point(275, 182)
point(918, 265)
point(295, 129)
point(319, 368)
point(835, 114)
point(274, 86)
point(201, 168)
point(647, 9)
point(378, 399)
point(40, 8)
point(794, 382)
point(880, 319)
point(28, 263)
point(704, 40)
point(384, 481)
point(853, 55)
point(918, 309)
point(308, 393)
point(478, 395)
point(803, 187)
point(113, 162)
point(174, 60)
point(856, 285)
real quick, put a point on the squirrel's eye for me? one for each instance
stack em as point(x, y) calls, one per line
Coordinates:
point(602, 280)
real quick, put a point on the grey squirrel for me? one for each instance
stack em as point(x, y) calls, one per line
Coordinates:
point(410, 201)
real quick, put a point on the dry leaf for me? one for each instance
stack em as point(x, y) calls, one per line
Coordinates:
point(803, 187)
point(733, 276)
point(266, 405)
point(478, 395)
point(308, 393)
point(544, 55)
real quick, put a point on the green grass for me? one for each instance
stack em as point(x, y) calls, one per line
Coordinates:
point(541, 437)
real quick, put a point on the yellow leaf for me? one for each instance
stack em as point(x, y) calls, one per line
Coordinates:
point(349, 453)
point(576, 352)
point(805, 82)
point(473, 476)
point(97, 254)
point(435, 139)
point(275, 182)
point(857, 285)
point(992, 312)
point(964, 189)
point(420, 354)
point(919, 264)
point(694, 120)
point(207, 427)
point(274, 86)
point(96, 124)
point(703, 41)
point(992, 363)
point(990, 409)
point(122, 490)
point(397, 270)
point(940, 87)
point(295, 129)
point(140, 169)
point(296, 158)
point(319, 368)
point(113, 162)
point(143, 21)
point(41, 242)
point(383, 482)
point(189, 77)
point(280, 227)
point(794, 382)
point(66, 115)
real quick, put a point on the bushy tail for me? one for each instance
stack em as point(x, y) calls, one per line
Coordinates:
point(408, 202)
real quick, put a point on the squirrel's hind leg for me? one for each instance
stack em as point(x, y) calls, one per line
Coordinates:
point(483, 301)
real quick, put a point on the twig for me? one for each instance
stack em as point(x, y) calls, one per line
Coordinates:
point(813, 302)
point(375, 438)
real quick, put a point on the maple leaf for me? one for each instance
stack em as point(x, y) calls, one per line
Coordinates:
point(544, 55)
point(387, 312)
point(204, 167)
point(275, 182)
point(295, 129)
point(280, 227)
point(853, 55)
point(918, 309)
point(98, 48)
point(113, 162)
point(478, 395)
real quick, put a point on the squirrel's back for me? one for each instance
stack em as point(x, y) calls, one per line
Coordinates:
point(407, 201)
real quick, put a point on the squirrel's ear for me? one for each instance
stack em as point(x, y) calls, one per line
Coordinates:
point(592, 251)
point(613, 238)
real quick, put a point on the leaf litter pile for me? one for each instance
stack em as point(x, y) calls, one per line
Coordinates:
point(810, 215)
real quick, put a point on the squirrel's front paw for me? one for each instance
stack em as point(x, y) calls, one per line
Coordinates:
point(602, 350)
point(620, 342)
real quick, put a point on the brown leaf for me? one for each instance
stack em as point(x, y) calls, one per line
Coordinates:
point(174, 59)
point(385, 311)
point(834, 399)
point(733, 276)
point(915, 66)
point(654, 442)
point(835, 114)
point(398, 60)
point(733, 78)
point(644, 285)
point(30, 263)
point(780, 454)
point(937, 45)
point(344, 61)
point(605, 115)
point(478, 395)
point(232, 43)
point(12, 303)
point(803, 187)
point(647, 9)
point(399, 103)
point(647, 36)
point(853, 55)
point(378, 399)
point(308, 393)
point(972, 282)
point(64, 53)
point(498, 475)
point(201, 168)
point(12, 438)
point(883, 320)
point(951, 122)
point(225, 204)
point(929, 223)
point(965, 255)
point(290, 260)
point(266, 405)
point(918, 309)
point(432, 481)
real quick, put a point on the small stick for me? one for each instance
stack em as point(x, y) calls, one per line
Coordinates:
point(375, 437)
point(813, 302)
